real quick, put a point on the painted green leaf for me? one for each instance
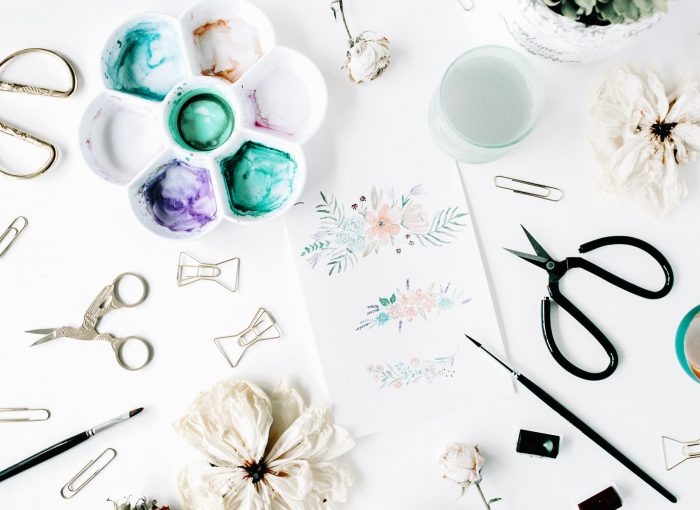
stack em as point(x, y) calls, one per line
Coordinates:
point(384, 301)
point(393, 298)
point(375, 198)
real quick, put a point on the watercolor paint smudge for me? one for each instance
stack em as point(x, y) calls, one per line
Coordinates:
point(281, 103)
point(180, 197)
point(226, 49)
point(259, 179)
point(146, 61)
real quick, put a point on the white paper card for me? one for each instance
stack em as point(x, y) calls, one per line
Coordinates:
point(393, 278)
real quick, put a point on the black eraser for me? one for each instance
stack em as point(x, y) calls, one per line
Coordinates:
point(607, 499)
point(538, 443)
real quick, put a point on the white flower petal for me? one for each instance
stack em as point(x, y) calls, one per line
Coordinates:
point(314, 437)
point(229, 423)
point(214, 488)
point(287, 406)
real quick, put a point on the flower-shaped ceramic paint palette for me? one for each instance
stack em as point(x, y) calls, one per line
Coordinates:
point(203, 118)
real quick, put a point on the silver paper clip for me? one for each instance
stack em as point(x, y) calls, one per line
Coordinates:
point(29, 414)
point(676, 452)
point(548, 192)
point(225, 273)
point(69, 490)
point(262, 327)
point(14, 230)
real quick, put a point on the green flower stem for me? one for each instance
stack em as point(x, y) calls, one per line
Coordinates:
point(483, 498)
point(342, 17)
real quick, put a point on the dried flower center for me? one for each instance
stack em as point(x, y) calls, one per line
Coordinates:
point(380, 223)
point(663, 130)
point(256, 471)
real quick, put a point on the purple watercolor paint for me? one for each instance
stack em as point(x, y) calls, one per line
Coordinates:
point(180, 197)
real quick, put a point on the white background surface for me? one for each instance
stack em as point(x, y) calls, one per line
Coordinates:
point(82, 234)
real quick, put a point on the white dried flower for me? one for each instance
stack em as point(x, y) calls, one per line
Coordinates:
point(462, 464)
point(368, 57)
point(642, 135)
point(262, 452)
point(368, 54)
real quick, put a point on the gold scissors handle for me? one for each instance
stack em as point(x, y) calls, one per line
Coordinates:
point(6, 86)
point(27, 137)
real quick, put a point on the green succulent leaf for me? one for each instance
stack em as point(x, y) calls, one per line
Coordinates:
point(605, 12)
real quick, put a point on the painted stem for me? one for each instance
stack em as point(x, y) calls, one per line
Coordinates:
point(342, 17)
point(483, 498)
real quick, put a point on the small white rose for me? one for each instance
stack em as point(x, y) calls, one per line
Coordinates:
point(415, 219)
point(462, 464)
point(368, 57)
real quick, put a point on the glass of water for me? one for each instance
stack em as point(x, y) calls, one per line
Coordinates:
point(489, 99)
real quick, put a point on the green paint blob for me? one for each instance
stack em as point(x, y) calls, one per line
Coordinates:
point(201, 120)
point(259, 179)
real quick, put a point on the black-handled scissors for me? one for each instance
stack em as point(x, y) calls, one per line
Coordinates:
point(556, 269)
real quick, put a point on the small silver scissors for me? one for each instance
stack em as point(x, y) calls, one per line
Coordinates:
point(107, 300)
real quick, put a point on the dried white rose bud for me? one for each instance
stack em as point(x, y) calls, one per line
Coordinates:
point(368, 57)
point(462, 464)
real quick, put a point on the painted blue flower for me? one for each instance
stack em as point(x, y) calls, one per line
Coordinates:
point(342, 237)
point(357, 243)
point(382, 319)
point(445, 303)
point(354, 224)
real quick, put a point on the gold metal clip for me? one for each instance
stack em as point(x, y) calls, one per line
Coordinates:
point(262, 327)
point(225, 273)
point(676, 452)
point(69, 490)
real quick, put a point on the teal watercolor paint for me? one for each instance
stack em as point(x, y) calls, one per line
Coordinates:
point(146, 61)
point(201, 120)
point(259, 179)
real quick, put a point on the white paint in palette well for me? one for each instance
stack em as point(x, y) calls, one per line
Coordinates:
point(281, 102)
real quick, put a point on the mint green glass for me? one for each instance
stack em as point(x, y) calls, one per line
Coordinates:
point(489, 99)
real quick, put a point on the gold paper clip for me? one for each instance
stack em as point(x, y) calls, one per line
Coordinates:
point(262, 327)
point(225, 273)
point(69, 490)
point(549, 192)
point(14, 230)
point(676, 452)
point(31, 414)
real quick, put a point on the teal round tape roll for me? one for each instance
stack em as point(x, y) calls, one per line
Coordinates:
point(681, 351)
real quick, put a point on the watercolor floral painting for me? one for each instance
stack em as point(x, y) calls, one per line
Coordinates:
point(404, 305)
point(384, 222)
point(401, 374)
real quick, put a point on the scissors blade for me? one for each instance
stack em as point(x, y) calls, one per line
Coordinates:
point(533, 259)
point(535, 245)
point(51, 334)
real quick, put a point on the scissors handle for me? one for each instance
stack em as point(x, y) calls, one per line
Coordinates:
point(118, 301)
point(577, 314)
point(616, 280)
point(118, 348)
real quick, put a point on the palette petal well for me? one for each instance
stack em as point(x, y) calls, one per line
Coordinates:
point(210, 114)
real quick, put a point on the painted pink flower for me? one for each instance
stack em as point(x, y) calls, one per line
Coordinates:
point(395, 311)
point(397, 384)
point(410, 312)
point(414, 362)
point(384, 224)
point(428, 303)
